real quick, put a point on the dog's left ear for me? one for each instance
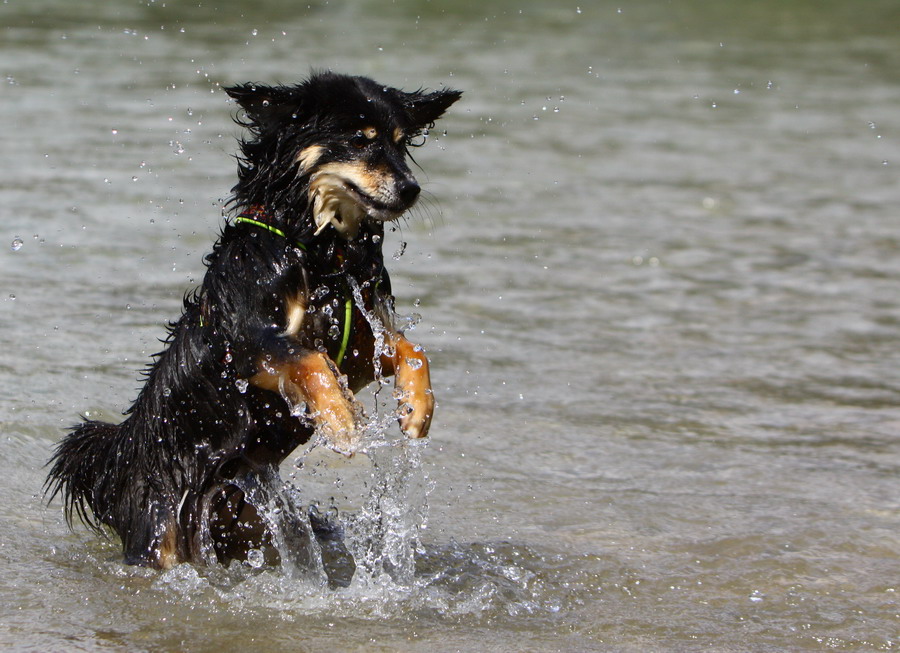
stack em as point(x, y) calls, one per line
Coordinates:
point(425, 108)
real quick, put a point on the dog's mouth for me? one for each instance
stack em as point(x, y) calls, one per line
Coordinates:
point(339, 202)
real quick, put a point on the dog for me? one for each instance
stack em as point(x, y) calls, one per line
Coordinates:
point(293, 317)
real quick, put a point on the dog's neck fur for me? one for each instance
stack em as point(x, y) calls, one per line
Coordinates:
point(360, 256)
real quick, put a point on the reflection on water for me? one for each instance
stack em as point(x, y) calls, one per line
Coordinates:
point(656, 262)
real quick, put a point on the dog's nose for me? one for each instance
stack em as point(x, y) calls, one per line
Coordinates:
point(408, 190)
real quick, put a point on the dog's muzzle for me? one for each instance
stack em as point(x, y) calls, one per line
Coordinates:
point(338, 202)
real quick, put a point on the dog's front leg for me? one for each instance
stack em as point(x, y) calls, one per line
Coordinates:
point(313, 379)
point(413, 385)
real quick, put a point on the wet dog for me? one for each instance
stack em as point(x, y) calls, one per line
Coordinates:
point(294, 316)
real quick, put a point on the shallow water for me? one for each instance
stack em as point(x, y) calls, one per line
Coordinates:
point(658, 271)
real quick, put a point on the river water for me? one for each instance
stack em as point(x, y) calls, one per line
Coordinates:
point(658, 264)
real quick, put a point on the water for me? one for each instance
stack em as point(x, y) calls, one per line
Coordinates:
point(657, 266)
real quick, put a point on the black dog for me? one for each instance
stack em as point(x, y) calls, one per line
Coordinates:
point(294, 315)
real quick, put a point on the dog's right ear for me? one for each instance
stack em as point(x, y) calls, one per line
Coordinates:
point(424, 108)
point(263, 104)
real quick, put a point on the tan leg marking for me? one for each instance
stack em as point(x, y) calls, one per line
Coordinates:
point(167, 556)
point(312, 380)
point(413, 383)
point(295, 309)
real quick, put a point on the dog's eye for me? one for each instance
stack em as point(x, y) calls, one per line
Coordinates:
point(359, 140)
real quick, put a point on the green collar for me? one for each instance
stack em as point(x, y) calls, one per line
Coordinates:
point(258, 223)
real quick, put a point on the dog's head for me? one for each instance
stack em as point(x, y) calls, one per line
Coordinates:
point(341, 140)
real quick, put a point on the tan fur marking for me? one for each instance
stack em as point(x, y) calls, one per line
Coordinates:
point(357, 173)
point(308, 156)
point(399, 135)
point(295, 308)
point(370, 132)
point(311, 380)
point(168, 548)
point(413, 383)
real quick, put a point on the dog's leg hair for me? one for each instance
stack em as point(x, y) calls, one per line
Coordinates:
point(313, 379)
point(412, 381)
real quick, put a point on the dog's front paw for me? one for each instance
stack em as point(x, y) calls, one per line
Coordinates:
point(336, 419)
point(314, 388)
point(416, 409)
point(413, 388)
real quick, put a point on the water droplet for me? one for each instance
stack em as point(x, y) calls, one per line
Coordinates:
point(414, 363)
point(400, 251)
point(167, 392)
point(241, 385)
point(376, 238)
point(254, 32)
point(12, 296)
point(17, 244)
point(255, 557)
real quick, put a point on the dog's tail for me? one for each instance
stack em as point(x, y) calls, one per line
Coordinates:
point(78, 463)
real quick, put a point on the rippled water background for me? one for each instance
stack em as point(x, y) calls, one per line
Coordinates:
point(658, 268)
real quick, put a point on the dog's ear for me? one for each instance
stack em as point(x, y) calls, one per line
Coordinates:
point(425, 108)
point(263, 104)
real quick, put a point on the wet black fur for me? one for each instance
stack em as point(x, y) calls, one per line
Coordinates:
point(170, 469)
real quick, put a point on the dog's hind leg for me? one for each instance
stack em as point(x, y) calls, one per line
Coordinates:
point(236, 527)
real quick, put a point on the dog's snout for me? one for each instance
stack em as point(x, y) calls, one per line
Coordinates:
point(408, 190)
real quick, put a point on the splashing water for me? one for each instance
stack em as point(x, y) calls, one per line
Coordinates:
point(383, 537)
point(373, 509)
point(370, 547)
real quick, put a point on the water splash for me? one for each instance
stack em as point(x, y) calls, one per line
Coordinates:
point(383, 536)
point(347, 534)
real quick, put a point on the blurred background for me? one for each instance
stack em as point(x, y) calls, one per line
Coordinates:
point(657, 263)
